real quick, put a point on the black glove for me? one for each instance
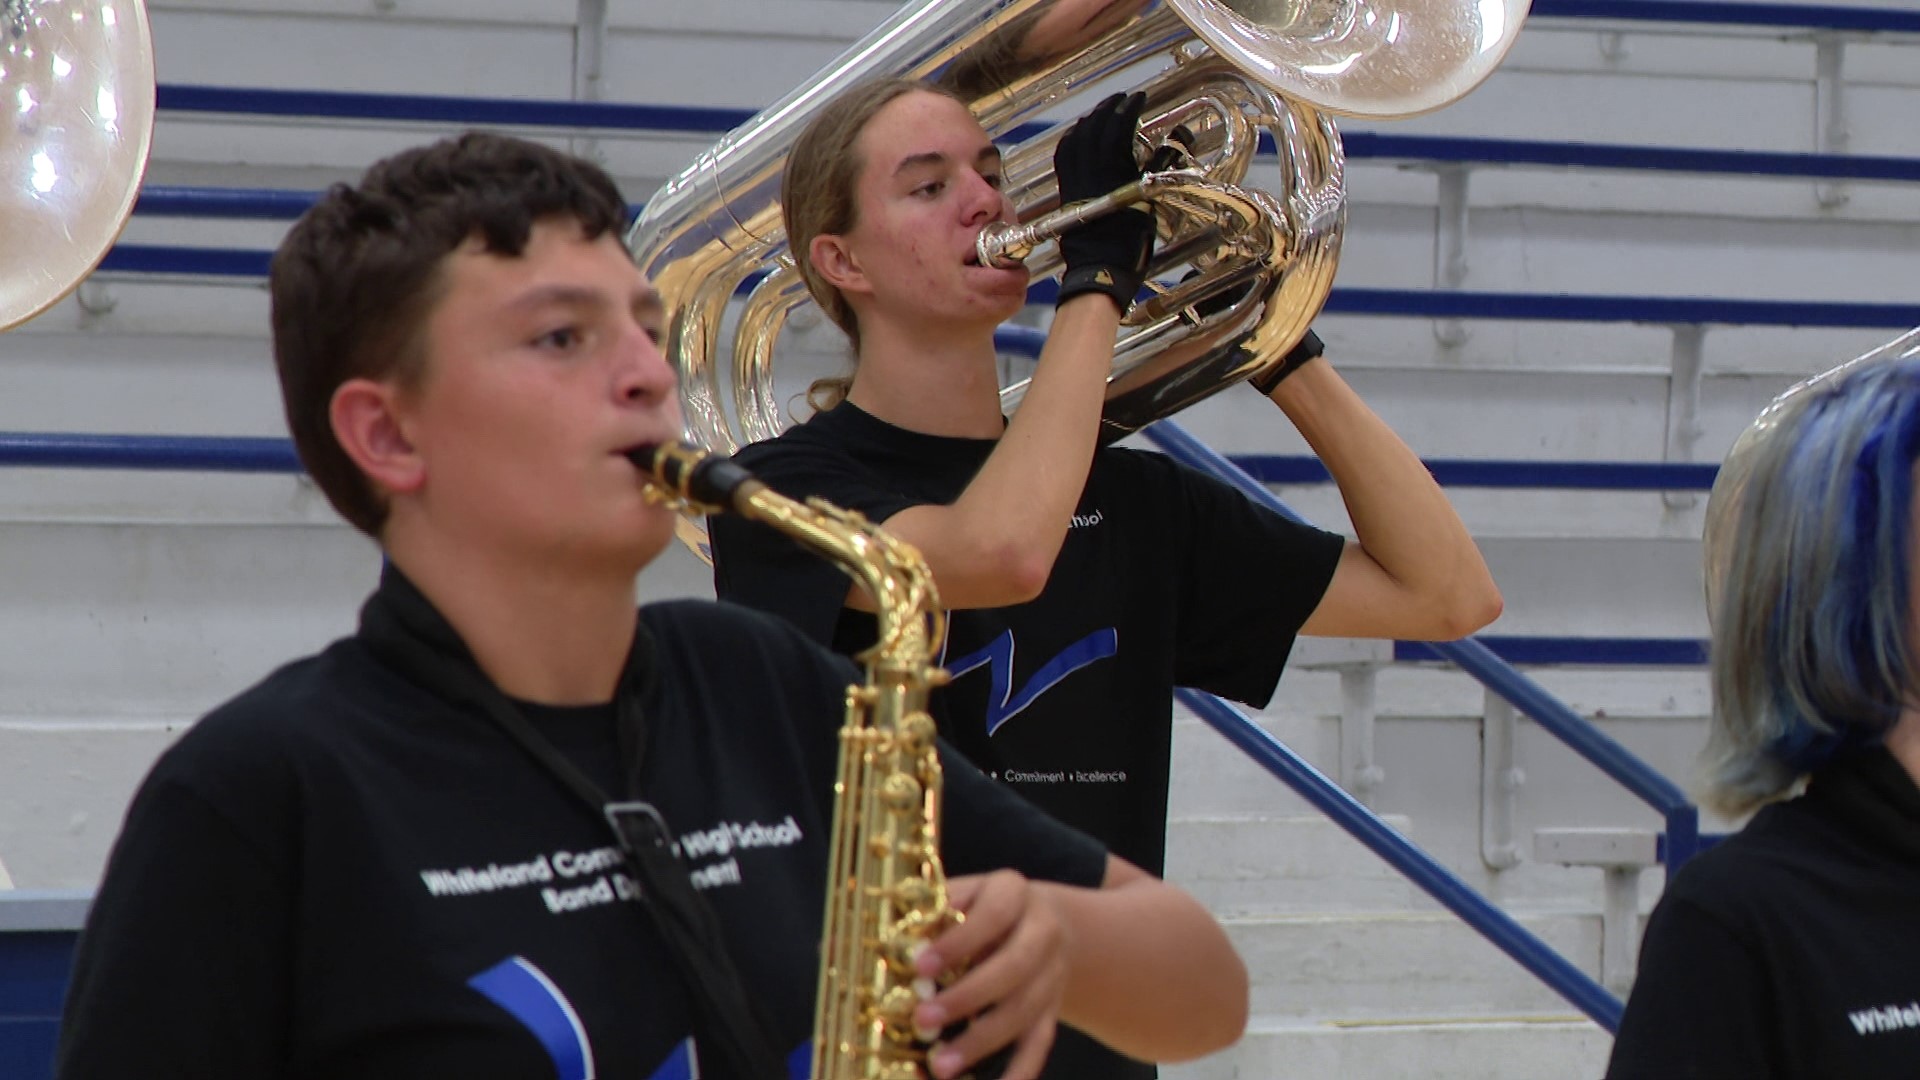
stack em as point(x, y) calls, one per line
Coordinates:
point(1307, 348)
point(1095, 157)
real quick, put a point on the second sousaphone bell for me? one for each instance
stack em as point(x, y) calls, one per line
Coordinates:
point(76, 121)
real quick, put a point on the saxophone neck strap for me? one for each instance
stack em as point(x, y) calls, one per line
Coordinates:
point(401, 626)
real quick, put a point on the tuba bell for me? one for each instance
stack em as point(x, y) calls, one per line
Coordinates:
point(1216, 73)
point(76, 121)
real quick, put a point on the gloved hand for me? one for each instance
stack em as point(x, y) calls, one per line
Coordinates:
point(1094, 157)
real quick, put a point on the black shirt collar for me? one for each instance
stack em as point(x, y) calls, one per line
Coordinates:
point(1874, 796)
point(850, 421)
point(398, 618)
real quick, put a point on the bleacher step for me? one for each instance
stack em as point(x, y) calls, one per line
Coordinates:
point(1249, 864)
point(1211, 775)
point(1400, 963)
point(68, 783)
point(1559, 1046)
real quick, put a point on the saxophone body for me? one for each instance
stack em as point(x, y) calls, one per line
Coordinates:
point(886, 889)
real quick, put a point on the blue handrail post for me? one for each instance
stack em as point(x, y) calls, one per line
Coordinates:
point(1682, 841)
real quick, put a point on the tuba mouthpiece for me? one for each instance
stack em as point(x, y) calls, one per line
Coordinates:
point(1005, 246)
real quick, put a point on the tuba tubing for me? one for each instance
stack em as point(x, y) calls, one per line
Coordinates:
point(1006, 245)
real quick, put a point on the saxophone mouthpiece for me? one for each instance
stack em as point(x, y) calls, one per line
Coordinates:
point(693, 473)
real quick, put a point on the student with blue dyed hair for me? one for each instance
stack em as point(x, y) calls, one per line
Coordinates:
point(1792, 949)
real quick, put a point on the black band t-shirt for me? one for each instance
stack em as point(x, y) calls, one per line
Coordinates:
point(1167, 578)
point(338, 875)
point(1789, 949)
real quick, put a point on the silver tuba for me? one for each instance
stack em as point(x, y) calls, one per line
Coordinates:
point(1217, 73)
point(76, 120)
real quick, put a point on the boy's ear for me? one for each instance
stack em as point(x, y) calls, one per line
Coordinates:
point(368, 423)
point(835, 261)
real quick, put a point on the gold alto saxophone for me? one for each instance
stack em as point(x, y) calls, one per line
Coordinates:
point(886, 889)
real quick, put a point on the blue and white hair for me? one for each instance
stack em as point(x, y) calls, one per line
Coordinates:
point(1814, 645)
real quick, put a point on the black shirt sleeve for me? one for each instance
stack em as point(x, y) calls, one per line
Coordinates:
point(755, 565)
point(183, 968)
point(987, 827)
point(1249, 578)
point(1699, 1009)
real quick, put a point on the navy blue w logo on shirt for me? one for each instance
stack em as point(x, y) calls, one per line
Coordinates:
point(1003, 704)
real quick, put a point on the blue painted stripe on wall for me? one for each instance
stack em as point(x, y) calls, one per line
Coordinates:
point(34, 968)
point(26, 1048)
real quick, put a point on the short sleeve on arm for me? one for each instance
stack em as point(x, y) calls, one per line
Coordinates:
point(986, 827)
point(755, 565)
point(183, 968)
point(1249, 579)
point(1699, 1009)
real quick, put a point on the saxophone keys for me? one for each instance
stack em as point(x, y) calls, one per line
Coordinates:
point(895, 1012)
point(901, 793)
point(917, 731)
point(914, 893)
point(901, 954)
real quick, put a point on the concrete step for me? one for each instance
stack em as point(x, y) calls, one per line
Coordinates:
point(1594, 405)
point(133, 621)
point(1305, 709)
point(1398, 964)
point(1540, 1047)
point(1258, 864)
point(1213, 776)
point(120, 634)
point(119, 620)
point(64, 788)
